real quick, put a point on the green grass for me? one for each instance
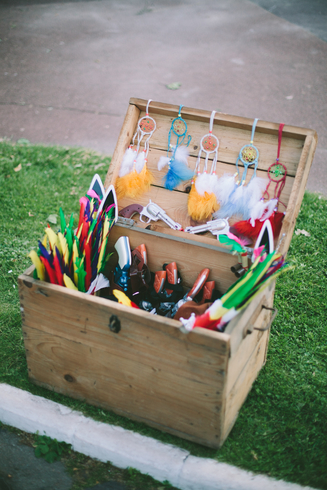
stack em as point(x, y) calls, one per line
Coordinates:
point(281, 429)
point(86, 472)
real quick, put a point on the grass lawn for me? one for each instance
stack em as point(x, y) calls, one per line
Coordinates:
point(282, 429)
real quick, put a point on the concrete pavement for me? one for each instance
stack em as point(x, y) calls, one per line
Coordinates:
point(125, 448)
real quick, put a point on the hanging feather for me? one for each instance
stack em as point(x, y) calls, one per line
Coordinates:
point(202, 201)
point(271, 206)
point(140, 161)
point(178, 169)
point(253, 193)
point(163, 161)
point(128, 185)
point(257, 211)
point(146, 177)
point(128, 160)
point(245, 228)
point(134, 178)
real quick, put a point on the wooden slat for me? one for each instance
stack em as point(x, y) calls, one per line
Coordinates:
point(298, 190)
point(189, 258)
point(254, 314)
point(124, 139)
point(231, 140)
point(93, 310)
point(229, 120)
point(143, 372)
point(235, 398)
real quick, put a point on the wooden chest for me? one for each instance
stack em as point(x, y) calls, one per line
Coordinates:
point(191, 385)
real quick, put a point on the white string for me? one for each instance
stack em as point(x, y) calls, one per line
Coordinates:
point(147, 106)
point(211, 120)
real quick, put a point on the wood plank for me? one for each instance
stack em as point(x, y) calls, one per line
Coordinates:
point(298, 190)
point(237, 395)
point(254, 314)
point(91, 312)
point(123, 386)
point(231, 140)
point(125, 136)
point(190, 259)
point(229, 120)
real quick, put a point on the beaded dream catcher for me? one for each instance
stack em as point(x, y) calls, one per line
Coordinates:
point(134, 178)
point(177, 154)
point(202, 201)
point(237, 197)
point(267, 207)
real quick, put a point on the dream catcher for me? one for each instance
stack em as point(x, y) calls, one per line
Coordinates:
point(134, 178)
point(267, 207)
point(202, 201)
point(235, 197)
point(177, 154)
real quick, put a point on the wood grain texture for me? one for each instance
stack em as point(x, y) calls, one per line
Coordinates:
point(298, 190)
point(190, 258)
point(234, 399)
point(124, 139)
point(190, 385)
point(228, 120)
point(231, 140)
point(143, 372)
point(254, 314)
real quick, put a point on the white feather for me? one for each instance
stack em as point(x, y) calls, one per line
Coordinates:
point(254, 191)
point(238, 194)
point(127, 162)
point(182, 154)
point(269, 209)
point(202, 184)
point(224, 187)
point(257, 211)
point(163, 161)
point(213, 181)
point(140, 160)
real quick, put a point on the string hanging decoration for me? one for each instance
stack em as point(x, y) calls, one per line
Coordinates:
point(134, 177)
point(177, 154)
point(202, 201)
point(267, 207)
point(235, 196)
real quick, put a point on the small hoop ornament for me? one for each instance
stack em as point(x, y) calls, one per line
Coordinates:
point(179, 126)
point(277, 172)
point(134, 177)
point(248, 155)
point(147, 125)
point(202, 201)
point(177, 154)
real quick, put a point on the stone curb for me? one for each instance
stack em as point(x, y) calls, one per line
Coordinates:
point(124, 448)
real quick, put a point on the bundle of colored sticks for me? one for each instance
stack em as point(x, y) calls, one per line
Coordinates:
point(263, 271)
point(76, 259)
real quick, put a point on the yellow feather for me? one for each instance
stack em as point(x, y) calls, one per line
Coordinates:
point(64, 248)
point(201, 207)
point(122, 298)
point(45, 241)
point(53, 239)
point(69, 283)
point(40, 269)
point(75, 256)
point(134, 184)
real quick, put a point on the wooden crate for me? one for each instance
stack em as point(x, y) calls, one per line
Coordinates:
point(191, 385)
